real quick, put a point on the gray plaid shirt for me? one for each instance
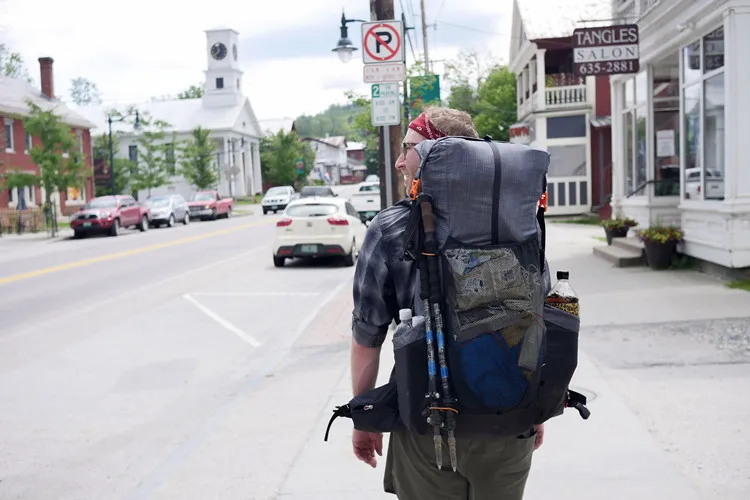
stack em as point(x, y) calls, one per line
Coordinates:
point(383, 281)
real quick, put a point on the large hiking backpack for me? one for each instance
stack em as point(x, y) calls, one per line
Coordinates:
point(490, 358)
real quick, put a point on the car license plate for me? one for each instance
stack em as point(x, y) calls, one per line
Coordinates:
point(275, 207)
point(86, 224)
point(308, 248)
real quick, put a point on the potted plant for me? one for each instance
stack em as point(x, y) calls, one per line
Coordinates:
point(617, 228)
point(660, 243)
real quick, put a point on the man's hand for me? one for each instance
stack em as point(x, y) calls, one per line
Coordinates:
point(365, 445)
point(539, 436)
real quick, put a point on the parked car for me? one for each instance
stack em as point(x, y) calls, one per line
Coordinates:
point(167, 209)
point(317, 228)
point(316, 191)
point(366, 200)
point(210, 205)
point(108, 214)
point(277, 198)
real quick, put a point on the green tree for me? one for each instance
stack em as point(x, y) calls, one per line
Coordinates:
point(278, 159)
point(152, 169)
point(192, 92)
point(466, 74)
point(363, 130)
point(12, 64)
point(496, 104)
point(196, 163)
point(83, 91)
point(122, 167)
point(336, 120)
point(57, 154)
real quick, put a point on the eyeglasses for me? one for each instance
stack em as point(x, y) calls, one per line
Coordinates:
point(406, 146)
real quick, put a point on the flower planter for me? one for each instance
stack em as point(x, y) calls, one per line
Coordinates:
point(659, 255)
point(619, 232)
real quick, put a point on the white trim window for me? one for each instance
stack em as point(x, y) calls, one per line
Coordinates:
point(79, 140)
point(8, 135)
point(635, 138)
point(29, 144)
point(703, 102)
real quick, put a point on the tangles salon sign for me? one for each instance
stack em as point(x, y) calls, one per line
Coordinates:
point(606, 50)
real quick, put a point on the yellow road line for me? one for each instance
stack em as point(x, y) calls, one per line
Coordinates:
point(126, 253)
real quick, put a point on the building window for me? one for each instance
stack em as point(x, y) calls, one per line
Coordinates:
point(635, 144)
point(75, 195)
point(8, 135)
point(79, 139)
point(170, 158)
point(703, 111)
point(567, 161)
point(666, 91)
point(133, 153)
point(561, 127)
point(219, 83)
point(29, 142)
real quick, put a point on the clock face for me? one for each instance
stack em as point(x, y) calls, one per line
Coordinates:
point(218, 51)
point(234, 51)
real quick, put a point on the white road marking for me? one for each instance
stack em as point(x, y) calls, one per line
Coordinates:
point(226, 324)
point(255, 294)
point(118, 298)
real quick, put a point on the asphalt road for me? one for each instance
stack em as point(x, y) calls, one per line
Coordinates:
point(151, 365)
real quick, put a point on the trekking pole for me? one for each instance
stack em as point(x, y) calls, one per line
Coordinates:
point(433, 302)
point(432, 396)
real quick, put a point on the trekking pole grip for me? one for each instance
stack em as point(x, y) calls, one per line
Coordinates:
point(428, 217)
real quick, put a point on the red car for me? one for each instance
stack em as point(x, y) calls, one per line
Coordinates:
point(108, 214)
point(210, 205)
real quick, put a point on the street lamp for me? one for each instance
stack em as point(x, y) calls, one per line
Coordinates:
point(136, 126)
point(345, 48)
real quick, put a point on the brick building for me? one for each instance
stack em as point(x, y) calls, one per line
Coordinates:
point(16, 143)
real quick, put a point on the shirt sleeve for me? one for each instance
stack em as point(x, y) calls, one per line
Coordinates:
point(374, 295)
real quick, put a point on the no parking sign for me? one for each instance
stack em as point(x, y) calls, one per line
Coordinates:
point(382, 42)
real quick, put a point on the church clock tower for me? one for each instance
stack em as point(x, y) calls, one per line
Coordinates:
point(223, 85)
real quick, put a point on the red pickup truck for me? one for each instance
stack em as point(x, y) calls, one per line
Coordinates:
point(210, 205)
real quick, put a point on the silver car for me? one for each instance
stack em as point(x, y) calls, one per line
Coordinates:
point(168, 209)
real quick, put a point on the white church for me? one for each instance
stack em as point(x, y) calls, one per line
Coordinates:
point(223, 110)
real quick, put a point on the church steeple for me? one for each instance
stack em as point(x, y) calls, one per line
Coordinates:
point(223, 85)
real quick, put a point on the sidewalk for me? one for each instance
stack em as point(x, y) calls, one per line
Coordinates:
point(613, 454)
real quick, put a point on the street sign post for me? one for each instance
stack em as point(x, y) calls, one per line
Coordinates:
point(384, 73)
point(606, 50)
point(382, 42)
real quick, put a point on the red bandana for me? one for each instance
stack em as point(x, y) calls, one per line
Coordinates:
point(425, 128)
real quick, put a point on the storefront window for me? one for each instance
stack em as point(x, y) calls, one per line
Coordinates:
point(636, 147)
point(713, 130)
point(641, 145)
point(666, 121)
point(629, 153)
point(703, 111)
point(693, 141)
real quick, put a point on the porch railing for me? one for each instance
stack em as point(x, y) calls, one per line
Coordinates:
point(565, 96)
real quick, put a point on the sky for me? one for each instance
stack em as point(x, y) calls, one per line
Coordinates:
point(148, 48)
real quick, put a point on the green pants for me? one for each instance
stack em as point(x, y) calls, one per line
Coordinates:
point(491, 468)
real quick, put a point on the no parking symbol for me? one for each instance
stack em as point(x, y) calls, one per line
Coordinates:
point(382, 42)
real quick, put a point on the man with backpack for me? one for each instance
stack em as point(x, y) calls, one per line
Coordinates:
point(485, 465)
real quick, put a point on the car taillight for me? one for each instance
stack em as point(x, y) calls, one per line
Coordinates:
point(338, 221)
point(284, 222)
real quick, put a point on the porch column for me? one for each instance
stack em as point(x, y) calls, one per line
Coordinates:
point(618, 168)
point(257, 179)
point(737, 71)
point(541, 78)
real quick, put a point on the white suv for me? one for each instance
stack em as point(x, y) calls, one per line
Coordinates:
point(277, 198)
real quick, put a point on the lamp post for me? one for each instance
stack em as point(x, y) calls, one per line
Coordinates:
point(345, 49)
point(136, 126)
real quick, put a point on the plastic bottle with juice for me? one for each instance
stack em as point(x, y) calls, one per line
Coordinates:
point(563, 296)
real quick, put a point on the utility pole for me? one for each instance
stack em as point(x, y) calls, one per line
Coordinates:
point(424, 39)
point(390, 139)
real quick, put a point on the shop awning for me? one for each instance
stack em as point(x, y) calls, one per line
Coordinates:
point(601, 121)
